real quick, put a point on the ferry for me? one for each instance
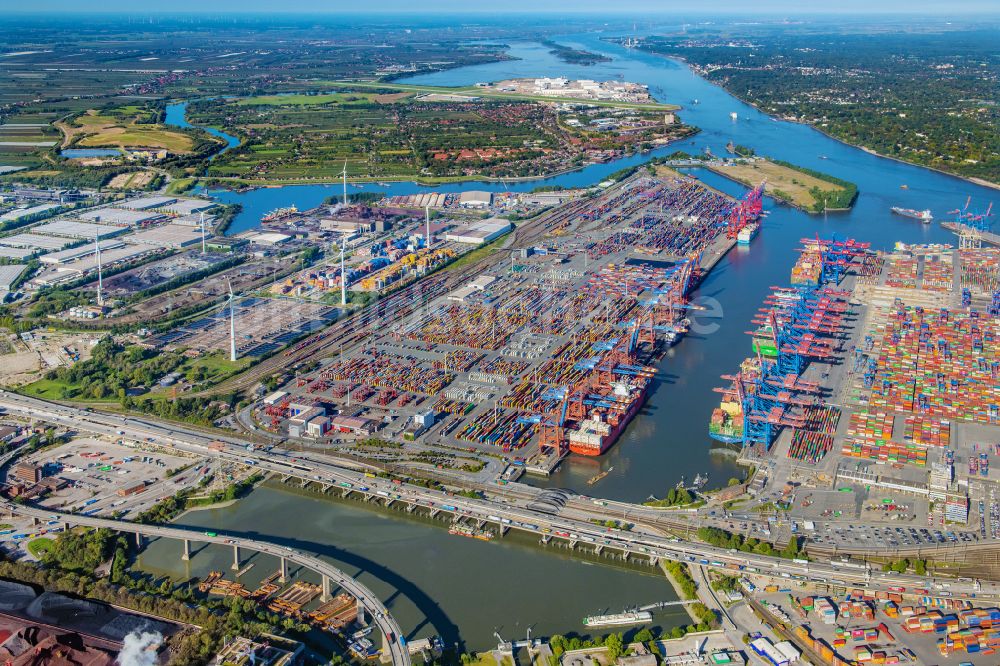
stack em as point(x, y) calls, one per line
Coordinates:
point(595, 435)
point(922, 215)
point(747, 233)
point(618, 619)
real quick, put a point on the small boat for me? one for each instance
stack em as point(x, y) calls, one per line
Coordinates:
point(904, 187)
point(823, 157)
point(734, 115)
point(600, 475)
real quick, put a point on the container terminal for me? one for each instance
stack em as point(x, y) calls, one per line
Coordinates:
point(870, 393)
point(550, 350)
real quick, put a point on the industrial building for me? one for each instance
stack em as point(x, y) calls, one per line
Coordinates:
point(173, 236)
point(36, 242)
point(146, 203)
point(475, 199)
point(74, 229)
point(27, 472)
point(188, 206)
point(478, 233)
point(8, 274)
point(74, 253)
point(15, 252)
point(120, 217)
point(19, 213)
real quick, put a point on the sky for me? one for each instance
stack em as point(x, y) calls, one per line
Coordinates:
point(616, 8)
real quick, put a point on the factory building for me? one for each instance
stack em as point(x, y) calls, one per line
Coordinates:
point(479, 233)
point(475, 199)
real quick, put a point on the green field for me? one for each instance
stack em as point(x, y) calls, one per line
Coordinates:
point(122, 127)
point(38, 547)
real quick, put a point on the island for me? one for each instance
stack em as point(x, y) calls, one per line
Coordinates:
point(574, 56)
point(806, 189)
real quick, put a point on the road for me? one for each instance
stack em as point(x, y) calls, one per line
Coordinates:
point(380, 615)
point(546, 513)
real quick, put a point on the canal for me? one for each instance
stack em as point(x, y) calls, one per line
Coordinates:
point(476, 587)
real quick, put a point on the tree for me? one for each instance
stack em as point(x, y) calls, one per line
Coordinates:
point(644, 635)
point(615, 645)
point(920, 567)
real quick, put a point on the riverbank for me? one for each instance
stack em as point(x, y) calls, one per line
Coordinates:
point(968, 179)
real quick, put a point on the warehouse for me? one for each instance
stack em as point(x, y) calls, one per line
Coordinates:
point(120, 217)
point(8, 274)
point(167, 236)
point(475, 199)
point(267, 238)
point(81, 266)
point(146, 203)
point(36, 242)
point(15, 252)
point(75, 253)
point(188, 206)
point(19, 213)
point(73, 229)
point(478, 233)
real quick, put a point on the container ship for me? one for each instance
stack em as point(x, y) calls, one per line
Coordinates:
point(808, 268)
point(618, 619)
point(762, 342)
point(922, 215)
point(726, 424)
point(595, 435)
point(747, 233)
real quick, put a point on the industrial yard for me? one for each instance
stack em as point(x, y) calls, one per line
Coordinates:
point(547, 351)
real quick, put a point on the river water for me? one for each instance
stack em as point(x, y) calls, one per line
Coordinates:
point(432, 582)
point(501, 585)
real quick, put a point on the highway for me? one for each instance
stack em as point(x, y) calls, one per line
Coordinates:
point(391, 630)
point(513, 506)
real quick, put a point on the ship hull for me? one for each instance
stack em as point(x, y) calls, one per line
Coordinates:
point(725, 439)
point(608, 441)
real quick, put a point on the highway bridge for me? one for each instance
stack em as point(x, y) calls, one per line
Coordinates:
point(567, 518)
point(393, 647)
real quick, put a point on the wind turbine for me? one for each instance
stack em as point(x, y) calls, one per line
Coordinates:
point(100, 276)
point(232, 322)
point(203, 232)
point(343, 273)
point(427, 223)
point(344, 174)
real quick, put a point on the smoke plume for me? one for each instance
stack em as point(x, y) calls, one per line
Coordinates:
point(140, 648)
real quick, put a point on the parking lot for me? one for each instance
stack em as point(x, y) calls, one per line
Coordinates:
point(102, 477)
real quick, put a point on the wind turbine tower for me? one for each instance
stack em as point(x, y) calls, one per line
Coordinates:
point(427, 226)
point(203, 232)
point(344, 174)
point(232, 323)
point(100, 276)
point(343, 274)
